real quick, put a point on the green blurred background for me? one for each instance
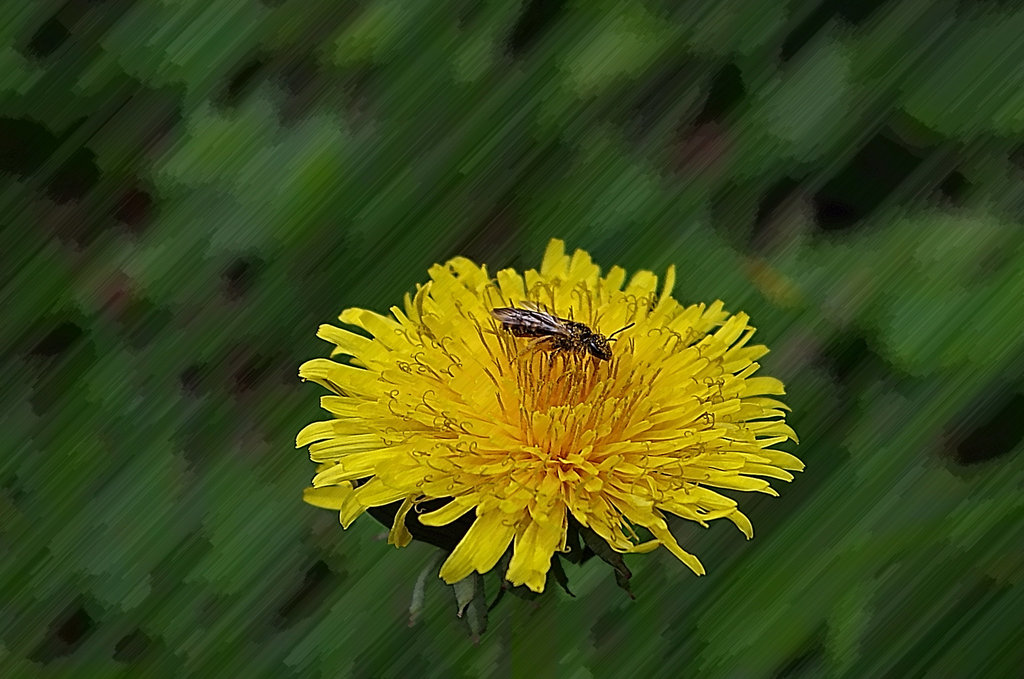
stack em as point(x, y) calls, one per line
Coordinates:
point(188, 188)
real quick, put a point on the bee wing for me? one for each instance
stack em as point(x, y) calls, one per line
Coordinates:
point(540, 308)
point(531, 305)
point(527, 322)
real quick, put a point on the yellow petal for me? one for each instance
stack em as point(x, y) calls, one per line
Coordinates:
point(645, 547)
point(331, 497)
point(345, 341)
point(759, 386)
point(349, 467)
point(555, 264)
point(373, 493)
point(399, 535)
point(666, 538)
point(535, 544)
point(742, 522)
point(346, 444)
point(446, 514)
point(481, 547)
point(314, 432)
point(341, 379)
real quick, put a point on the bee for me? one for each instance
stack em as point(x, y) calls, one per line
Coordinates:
point(559, 334)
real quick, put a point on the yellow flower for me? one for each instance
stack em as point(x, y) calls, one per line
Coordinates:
point(440, 401)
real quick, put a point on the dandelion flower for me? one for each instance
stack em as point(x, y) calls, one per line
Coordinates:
point(439, 409)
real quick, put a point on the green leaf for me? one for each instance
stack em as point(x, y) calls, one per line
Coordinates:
point(972, 81)
point(471, 603)
point(614, 47)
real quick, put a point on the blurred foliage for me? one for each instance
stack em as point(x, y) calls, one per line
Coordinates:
point(188, 189)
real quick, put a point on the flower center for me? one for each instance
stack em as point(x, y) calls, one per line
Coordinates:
point(566, 405)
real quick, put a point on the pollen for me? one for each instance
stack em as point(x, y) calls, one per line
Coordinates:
point(436, 401)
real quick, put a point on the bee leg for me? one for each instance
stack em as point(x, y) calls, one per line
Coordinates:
point(534, 345)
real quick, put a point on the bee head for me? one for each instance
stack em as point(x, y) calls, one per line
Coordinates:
point(598, 347)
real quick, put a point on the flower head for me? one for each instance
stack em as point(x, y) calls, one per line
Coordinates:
point(441, 400)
